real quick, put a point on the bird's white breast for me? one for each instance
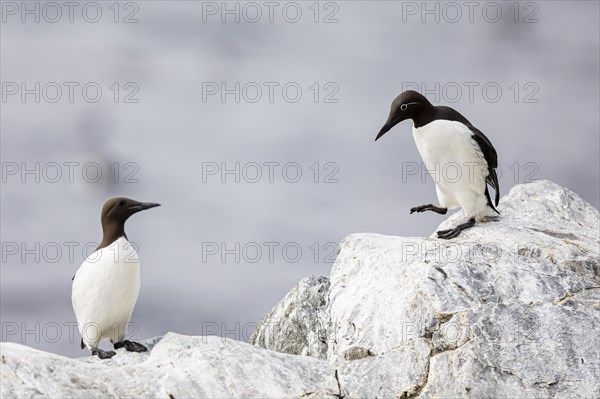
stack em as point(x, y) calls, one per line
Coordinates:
point(105, 290)
point(455, 162)
point(445, 142)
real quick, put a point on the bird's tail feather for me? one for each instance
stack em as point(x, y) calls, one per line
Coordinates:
point(489, 200)
point(493, 180)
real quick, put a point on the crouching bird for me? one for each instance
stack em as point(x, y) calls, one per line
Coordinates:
point(447, 141)
point(106, 286)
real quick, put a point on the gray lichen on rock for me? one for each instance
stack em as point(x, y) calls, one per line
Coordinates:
point(298, 325)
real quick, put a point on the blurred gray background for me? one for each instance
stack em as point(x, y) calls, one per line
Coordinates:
point(544, 57)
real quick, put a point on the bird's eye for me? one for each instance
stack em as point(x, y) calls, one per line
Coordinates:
point(121, 203)
point(403, 107)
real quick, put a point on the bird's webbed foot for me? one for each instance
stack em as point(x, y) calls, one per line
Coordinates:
point(130, 346)
point(103, 354)
point(451, 233)
point(429, 207)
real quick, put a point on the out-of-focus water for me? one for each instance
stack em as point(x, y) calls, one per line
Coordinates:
point(164, 148)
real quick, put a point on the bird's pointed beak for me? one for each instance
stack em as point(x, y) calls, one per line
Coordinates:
point(143, 206)
point(386, 128)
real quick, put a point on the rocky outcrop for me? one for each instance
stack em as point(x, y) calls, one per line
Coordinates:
point(299, 324)
point(178, 366)
point(509, 309)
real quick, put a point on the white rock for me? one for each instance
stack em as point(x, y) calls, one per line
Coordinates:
point(507, 309)
point(177, 367)
point(299, 324)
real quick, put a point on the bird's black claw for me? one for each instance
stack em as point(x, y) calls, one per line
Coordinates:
point(429, 207)
point(103, 354)
point(130, 346)
point(448, 234)
point(451, 233)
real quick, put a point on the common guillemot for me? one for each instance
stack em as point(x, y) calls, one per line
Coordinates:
point(443, 137)
point(107, 284)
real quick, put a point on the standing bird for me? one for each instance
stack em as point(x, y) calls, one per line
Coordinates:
point(444, 137)
point(106, 286)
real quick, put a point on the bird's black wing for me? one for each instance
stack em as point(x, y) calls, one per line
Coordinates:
point(491, 157)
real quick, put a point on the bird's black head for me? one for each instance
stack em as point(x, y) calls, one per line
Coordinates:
point(115, 213)
point(408, 105)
